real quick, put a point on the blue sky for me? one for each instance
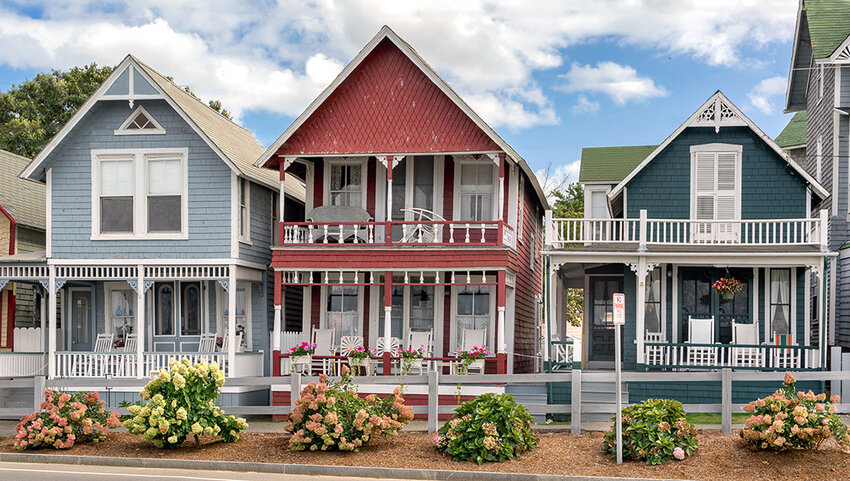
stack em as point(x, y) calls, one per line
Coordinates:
point(551, 77)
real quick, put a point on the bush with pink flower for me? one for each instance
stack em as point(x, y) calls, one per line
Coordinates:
point(330, 415)
point(791, 419)
point(654, 431)
point(65, 419)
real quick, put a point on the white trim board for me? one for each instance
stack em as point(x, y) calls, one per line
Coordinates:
point(743, 120)
point(413, 56)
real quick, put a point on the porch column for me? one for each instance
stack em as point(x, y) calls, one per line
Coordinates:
point(388, 308)
point(550, 318)
point(281, 233)
point(501, 162)
point(822, 335)
point(278, 298)
point(231, 320)
point(501, 354)
point(388, 235)
point(51, 322)
point(43, 319)
point(640, 271)
point(140, 322)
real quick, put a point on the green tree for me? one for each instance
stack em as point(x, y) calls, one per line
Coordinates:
point(32, 112)
point(569, 204)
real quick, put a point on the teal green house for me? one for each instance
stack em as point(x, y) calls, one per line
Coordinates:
point(714, 238)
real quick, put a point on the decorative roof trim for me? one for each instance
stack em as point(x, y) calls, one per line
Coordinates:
point(730, 116)
point(410, 53)
point(841, 54)
point(156, 130)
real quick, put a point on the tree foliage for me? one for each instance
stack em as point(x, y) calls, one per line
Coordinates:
point(32, 112)
point(569, 204)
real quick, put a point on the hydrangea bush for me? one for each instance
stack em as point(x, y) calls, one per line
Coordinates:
point(654, 431)
point(180, 404)
point(491, 427)
point(65, 419)
point(791, 419)
point(331, 416)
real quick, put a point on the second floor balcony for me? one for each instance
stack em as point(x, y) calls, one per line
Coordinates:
point(644, 231)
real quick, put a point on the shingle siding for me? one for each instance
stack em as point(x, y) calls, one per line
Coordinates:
point(260, 210)
point(209, 187)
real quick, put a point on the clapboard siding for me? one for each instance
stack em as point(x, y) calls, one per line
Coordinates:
point(209, 187)
point(261, 215)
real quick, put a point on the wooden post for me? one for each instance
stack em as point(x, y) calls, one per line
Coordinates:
point(38, 392)
point(824, 230)
point(501, 348)
point(388, 309)
point(43, 323)
point(575, 401)
point(278, 300)
point(640, 308)
point(231, 320)
point(433, 401)
point(642, 231)
point(51, 322)
point(281, 204)
point(726, 393)
point(294, 389)
point(388, 235)
point(140, 321)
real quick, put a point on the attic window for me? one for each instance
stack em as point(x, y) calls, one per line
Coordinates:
point(140, 122)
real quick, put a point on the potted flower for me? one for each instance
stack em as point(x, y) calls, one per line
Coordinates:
point(301, 354)
point(727, 287)
point(219, 341)
point(472, 358)
point(359, 356)
point(409, 357)
point(118, 343)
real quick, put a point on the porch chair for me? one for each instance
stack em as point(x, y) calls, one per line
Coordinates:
point(470, 338)
point(346, 343)
point(97, 364)
point(207, 343)
point(324, 341)
point(331, 214)
point(128, 360)
point(224, 344)
point(701, 331)
point(425, 233)
point(746, 334)
point(423, 340)
point(655, 355)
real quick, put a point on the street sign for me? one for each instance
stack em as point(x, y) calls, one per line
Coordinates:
point(619, 309)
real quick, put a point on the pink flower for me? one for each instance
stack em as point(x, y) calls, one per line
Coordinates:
point(678, 453)
point(437, 439)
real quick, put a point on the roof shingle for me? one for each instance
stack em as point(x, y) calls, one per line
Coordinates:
point(829, 25)
point(611, 164)
point(23, 199)
point(794, 134)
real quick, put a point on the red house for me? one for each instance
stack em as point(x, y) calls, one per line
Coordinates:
point(422, 227)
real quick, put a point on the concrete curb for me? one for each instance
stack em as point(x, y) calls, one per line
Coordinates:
point(299, 469)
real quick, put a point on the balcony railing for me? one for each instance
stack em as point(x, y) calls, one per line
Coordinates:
point(413, 233)
point(123, 364)
point(564, 233)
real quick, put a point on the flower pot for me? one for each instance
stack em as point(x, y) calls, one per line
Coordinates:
point(727, 296)
point(303, 359)
point(358, 362)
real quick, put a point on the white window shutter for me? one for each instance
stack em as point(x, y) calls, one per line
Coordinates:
point(704, 185)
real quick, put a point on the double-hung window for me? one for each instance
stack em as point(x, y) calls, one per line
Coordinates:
point(476, 191)
point(244, 210)
point(715, 191)
point(346, 184)
point(473, 312)
point(139, 194)
point(780, 303)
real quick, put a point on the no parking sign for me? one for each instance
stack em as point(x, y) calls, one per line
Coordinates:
point(619, 309)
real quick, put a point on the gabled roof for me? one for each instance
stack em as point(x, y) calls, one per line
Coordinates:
point(829, 25)
point(718, 112)
point(270, 157)
point(22, 199)
point(794, 134)
point(611, 164)
point(236, 145)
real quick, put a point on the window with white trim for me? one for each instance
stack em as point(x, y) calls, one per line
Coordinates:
point(476, 191)
point(140, 122)
point(346, 184)
point(819, 160)
point(715, 193)
point(473, 311)
point(652, 316)
point(342, 311)
point(244, 209)
point(780, 302)
point(139, 193)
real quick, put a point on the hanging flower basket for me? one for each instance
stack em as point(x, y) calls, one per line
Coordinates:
point(727, 287)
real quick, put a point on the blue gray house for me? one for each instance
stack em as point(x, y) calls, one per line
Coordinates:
point(713, 238)
point(158, 235)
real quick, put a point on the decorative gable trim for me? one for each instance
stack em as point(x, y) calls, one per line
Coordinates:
point(140, 122)
point(841, 54)
point(718, 111)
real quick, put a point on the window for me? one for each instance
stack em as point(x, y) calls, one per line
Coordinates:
point(598, 204)
point(140, 122)
point(652, 317)
point(820, 81)
point(715, 190)
point(819, 160)
point(116, 194)
point(190, 308)
point(139, 193)
point(346, 184)
point(780, 302)
point(165, 190)
point(121, 310)
point(422, 308)
point(164, 304)
point(521, 207)
point(473, 311)
point(244, 210)
point(413, 188)
point(476, 191)
point(275, 219)
point(342, 311)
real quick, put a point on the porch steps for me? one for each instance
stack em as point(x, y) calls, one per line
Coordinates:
point(529, 394)
point(596, 393)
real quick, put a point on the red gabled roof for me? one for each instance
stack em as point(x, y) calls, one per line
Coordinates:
point(387, 104)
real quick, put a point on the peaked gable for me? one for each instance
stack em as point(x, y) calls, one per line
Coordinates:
point(387, 104)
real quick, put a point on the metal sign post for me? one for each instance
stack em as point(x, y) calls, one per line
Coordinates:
point(619, 320)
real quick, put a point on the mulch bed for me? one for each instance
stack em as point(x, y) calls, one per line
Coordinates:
point(719, 457)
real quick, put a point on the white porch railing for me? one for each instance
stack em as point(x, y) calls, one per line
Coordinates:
point(22, 364)
point(563, 353)
point(124, 365)
point(737, 356)
point(562, 233)
point(420, 233)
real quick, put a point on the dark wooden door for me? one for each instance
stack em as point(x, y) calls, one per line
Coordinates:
point(602, 290)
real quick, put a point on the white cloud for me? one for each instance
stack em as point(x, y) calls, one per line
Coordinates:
point(585, 105)
point(276, 56)
point(760, 96)
point(558, 177)
point(619, 82)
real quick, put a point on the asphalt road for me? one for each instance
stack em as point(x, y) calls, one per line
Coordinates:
point(64, 472)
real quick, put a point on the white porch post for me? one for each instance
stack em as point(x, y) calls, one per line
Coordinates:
point(43, 319)
point(140, 322)
point(640, 305)
point(551, 320)
point(388, 308)
point(822, 335)
point(277, 310)
point(51, 321)
point(231, 320)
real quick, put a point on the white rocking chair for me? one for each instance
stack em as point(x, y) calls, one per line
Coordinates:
point(746, 334)
point(701, 331)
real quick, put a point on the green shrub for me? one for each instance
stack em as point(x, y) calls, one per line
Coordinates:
point(180, 404)
point(789, 419)
point(491, 427)
point(65, 419)
point(655, 431)
point(331, 416)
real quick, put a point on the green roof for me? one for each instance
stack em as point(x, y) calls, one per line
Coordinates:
point(611, 164)
point(794, 133)
point(829, 25)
